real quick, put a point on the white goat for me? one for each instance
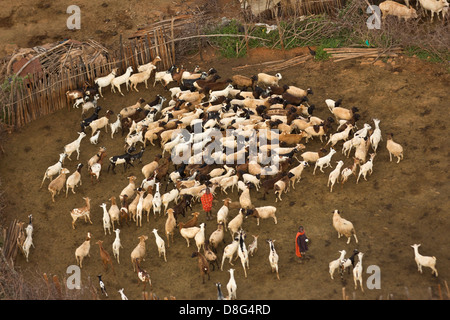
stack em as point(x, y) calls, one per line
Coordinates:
point(118, 81)
point(140, 77)
point(115, 126)
point(334, 175)
point(253, 247)
point(117, 245)
point(157, 201)
point(343, 227)
point(189, 233)
point(434, 6)
point(236, 222)
point(366, 168)
point(222, 214)
point(140, 208)
point(243, 253)
point(394, 148)
point(273, 257)
point(324, 161)
point(343, 135)
point(94, 138)
point(54, 169)
point(333, 265)
point(221, 93)
point(73, 180)
point(165, 77)
point(263, 213)
point(29, 239)
point(89, 105)
point(83, 250)
point(295, 174)
point(357, 272)
point(122, 295)
point(169, 197)
point(253, 179)
point(268, 80)
point(424, 261)
point(232, 286)
point(375, 137)
point(106, 219)
point(101, 123)
point(151, 64)
point(229, 251)
point(160, 244)
point(200, 237)
point(114, 212)
point(74, 146)
point(105, 81)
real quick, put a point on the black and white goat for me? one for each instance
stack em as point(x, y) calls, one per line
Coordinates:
point(86, 122)
point(124, 159)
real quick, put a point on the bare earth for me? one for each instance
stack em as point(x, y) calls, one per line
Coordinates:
point(400, 204)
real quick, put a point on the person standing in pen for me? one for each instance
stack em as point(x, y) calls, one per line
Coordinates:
point(301, 243)
point(207, 203)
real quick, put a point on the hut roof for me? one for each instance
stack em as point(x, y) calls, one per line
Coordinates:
point(54, 57)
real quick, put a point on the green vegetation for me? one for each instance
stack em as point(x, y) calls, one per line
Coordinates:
point(312, 31)
point(348, 28)
point(426, 54)
point(13, 80)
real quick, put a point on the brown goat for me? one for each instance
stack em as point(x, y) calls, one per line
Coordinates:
point(292, 138)
point(210, 255)
point(199, 84)
point(104, 255)
point(218, 85)
point(203, 265)
point(269, 184)
point(190, 223)
point(177, 74)
point(162, 170)
point(242, 81)
point(123, 214)
point(58, 184)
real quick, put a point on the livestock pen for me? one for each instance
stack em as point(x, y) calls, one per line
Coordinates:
point(396, 207)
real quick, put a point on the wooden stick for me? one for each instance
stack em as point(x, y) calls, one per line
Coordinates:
point(57, 286)
point(172, 35)
point(446, 287)
point(257, 64)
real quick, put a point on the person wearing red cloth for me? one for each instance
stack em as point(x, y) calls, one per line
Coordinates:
point(301, 243)
point(207, 203)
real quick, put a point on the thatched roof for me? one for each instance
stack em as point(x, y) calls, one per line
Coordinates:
point(53, 57)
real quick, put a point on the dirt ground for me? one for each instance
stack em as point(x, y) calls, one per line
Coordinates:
point(27, 23)
point(400, 204)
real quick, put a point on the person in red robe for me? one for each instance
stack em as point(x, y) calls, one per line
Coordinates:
point(207, 203)
point(301, 243)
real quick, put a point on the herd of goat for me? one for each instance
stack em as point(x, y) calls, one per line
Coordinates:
point(204, 117)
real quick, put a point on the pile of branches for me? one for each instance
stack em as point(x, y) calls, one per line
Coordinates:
point(394, 32)
point(347, 23)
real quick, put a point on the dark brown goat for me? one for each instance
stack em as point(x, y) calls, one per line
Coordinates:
point(203, 265)
point(269, 184)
